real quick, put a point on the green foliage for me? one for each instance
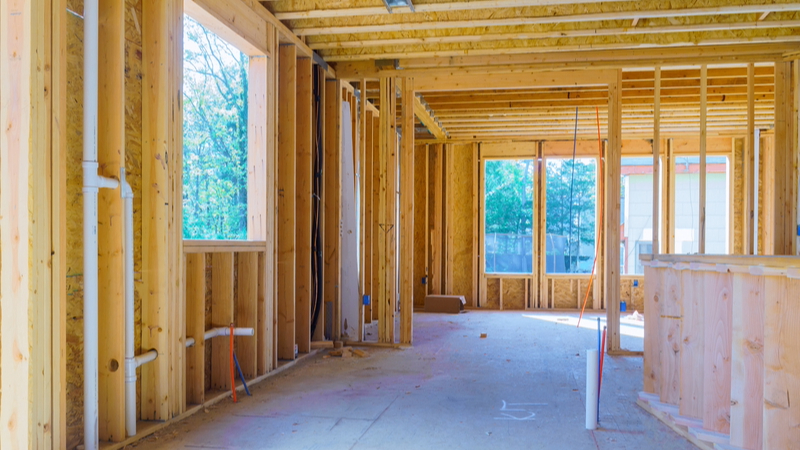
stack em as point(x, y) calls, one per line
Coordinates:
point(581, 221)
point(214, 136)
point(509, 215)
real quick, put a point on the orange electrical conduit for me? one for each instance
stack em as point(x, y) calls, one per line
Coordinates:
point(602, 200)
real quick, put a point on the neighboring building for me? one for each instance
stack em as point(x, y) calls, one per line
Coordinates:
point(637, 208)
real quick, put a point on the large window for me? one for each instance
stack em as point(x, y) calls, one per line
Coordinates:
point(636, 212)
point(214, 136)
point(509, 216)
point(571, 215)
point(687, 204)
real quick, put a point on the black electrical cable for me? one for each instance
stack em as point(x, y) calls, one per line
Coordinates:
point(316, 235)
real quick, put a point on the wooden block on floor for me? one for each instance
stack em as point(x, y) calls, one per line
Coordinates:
point(321, 344)
point(452, 304)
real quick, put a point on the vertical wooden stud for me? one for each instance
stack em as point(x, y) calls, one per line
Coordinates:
point(407, 213)
point(305, 149)
point(287, 226)
point(656, 159)
point(195, 327)
point(701, 247)
point(332, 201)
point(612, 211)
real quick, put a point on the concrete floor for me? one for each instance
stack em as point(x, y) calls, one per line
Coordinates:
point(522, 387)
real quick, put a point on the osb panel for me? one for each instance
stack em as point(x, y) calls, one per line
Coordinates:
point(420, 193)
point(738, 197)
point(514, 293)
point(632, 296)
point(74, 330)
point(492, 300)
point(565, 292)
point(460, 220)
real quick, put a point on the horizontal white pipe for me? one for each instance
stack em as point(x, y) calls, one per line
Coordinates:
point(145, 358)
point(189, 342)
point(226, 331)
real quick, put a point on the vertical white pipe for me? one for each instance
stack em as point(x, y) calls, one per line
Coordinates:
point(592, 369)
point(130, 360)
point(92, 183)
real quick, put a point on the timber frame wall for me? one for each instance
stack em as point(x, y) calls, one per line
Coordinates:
point(185, 288)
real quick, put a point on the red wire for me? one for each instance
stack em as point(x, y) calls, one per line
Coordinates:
point(233, 376)
point(600, 196)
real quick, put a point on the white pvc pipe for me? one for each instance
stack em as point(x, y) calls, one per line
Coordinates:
point(130, 357)
point(592, 363)
point(141, 360)
point(189, 342)
point(226, 331)
point(92, 183)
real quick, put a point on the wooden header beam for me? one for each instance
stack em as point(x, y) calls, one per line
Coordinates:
point(465, 82)
point(427, 119)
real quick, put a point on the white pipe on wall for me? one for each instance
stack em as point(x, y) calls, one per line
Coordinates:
point(92, 182)
point(226, 331)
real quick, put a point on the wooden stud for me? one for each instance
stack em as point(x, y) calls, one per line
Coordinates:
point(332, 175)
point(701, 246)
point(388, 137)
point(476, 271)
point(482, 282)
point(656, 160)
point(449, 226)
point(160, 116)
point(196, 327)
point(368, 232)
point(111, 156)
point(377, 233)
point(365, 179)
point(749, 186)
point(611, 212)
point(246, 312)
point(221, 316)
point(407, 213)
point(319, 180)
point(305, 150)
point(436, 276)
point(652, 316)
point(287, 225)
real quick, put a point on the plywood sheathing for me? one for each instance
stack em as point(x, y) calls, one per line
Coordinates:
point(492, 300)
point(514, 291)
point(459, 218)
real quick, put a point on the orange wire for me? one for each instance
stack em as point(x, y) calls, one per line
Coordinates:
point(600, 195)
point(233, 376)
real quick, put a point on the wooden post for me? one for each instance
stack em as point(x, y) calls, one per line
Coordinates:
point(701, 247)
point(749, 164)
point(388, 269)
point(305, 149)
point(287, 226)
point(196, 327)
point(332, 201)
point(161, 117)
point(656, 158)
point(436, 276)
point(367, 231)
point(377, 234)
point(476, 272)
point(668, 201)
point(612, 210)
point(449, 207)
point(111, 156)
point(407, 213)
point(781, 175)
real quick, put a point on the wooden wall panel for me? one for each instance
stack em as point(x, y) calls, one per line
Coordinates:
point(747, 365)
point(652, 315)
point(781, 415)
point(717, 328)
point(692, 353)
point(670, 337)
point(514, 293)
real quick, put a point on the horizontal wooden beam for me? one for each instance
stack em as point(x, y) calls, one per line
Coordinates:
point(569, 18)
point(569, 60)
point(461, 82)
point(423, 8)
point(553, 34)
point(427, 119)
